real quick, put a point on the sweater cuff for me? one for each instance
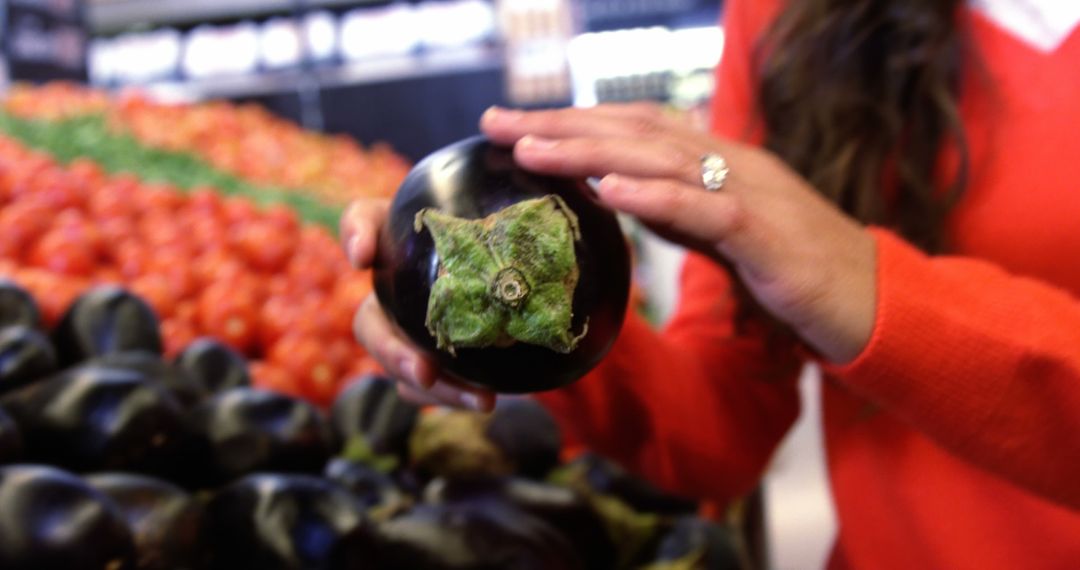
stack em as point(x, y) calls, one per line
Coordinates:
point(891, 343)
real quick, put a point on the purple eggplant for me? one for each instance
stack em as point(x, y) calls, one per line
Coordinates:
point(17, 306)
point(101, 419)
point(467, 536)
point(698, 544)
point(213, 365)
point(164, 520)
point(247, 430)
point(527, 434)
point(52, 520)
point(26, 355)
point(106, 319)
point(10, 440)
point(178, 382)
point(513, 281)
point(281, 522)
point(370, 409)
point(567, 511)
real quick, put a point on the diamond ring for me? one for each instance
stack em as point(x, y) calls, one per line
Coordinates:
point(714, 171)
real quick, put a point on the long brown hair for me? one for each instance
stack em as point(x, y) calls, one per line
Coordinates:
point(860, 97)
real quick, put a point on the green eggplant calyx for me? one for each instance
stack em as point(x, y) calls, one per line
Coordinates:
point(506, 278)
point(358, 450)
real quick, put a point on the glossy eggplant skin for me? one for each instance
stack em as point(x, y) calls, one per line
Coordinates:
point(245, 430)
point(164, 520)
point(175, 380)
point(17, 306)
point(101, 419)
point(213, 365)
point(370, 408)
point(567, 511)
point(473, 179)
point(10, 440)
point(26, 355)
point(52, 520)
point(712, 546)
point(106, 319)
point(527, 434)
point(279, 522)
point(492, 536)
point(608, 478)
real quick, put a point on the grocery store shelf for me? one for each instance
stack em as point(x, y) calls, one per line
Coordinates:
point(115, 15)
point(356, 73)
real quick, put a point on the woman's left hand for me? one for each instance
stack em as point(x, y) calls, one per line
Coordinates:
point(803, 259)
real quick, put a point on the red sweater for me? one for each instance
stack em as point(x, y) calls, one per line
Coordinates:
point(953, 440)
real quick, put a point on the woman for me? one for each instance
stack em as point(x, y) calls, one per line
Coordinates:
point(912, 219)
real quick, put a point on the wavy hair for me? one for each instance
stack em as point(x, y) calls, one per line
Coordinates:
point(860, 97)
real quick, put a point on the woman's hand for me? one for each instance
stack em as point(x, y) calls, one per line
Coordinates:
point(805, 261)
point(418, 377)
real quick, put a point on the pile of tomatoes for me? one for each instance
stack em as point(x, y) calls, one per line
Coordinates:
point(280, 292)
point(244, 140)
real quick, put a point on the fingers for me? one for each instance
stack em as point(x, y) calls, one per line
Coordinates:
point(445, 393)
point(359, 229)
point(416, 375)
point(672, 206)
point(507, 126)
point(582, 157)
point(384, 344)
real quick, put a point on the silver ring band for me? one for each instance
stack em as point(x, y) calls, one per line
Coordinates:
point(714, 172)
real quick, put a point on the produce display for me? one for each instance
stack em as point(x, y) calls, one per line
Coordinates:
point(275, 290)
point(116, 456)
point(511, 280)
point(246, 141)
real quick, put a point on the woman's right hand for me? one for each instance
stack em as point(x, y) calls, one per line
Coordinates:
point(419, 379)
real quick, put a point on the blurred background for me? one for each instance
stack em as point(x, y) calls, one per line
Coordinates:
point(416, 75)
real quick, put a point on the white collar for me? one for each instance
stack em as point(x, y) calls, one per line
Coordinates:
point(1043, 24)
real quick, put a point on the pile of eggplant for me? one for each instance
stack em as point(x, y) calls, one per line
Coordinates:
point(114, 458)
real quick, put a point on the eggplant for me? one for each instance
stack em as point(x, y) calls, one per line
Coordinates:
point(370, 409)
point(492, 536)
point(375, 490)
point(52, 520)
point(106, 319)
point(527, 435)
point(510, 280)
point(178, 382)
point(698, 544)
point(101, 419)
point(26, 355)
point(165, 521)
point(247, 430)
point(17, 306)
point(565, 510)
point(605, 477)
point(213, 365)
point(280, 522)
point(452, 443)
point(10, 440)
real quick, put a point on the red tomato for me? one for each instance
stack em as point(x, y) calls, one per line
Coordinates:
point(175, 267)
point(283, 217)
point(75, 227)
point(60, 254)
point(160, 198)
point(217, 264)
point(230, 312)
point(307, 360)
point(265, 246)
point(177, 333)
point(311, 272)
point(205, 201)
point(156, 290)
point(268, 376)
point(116, 230)
point(112, 200)
point(131, 258)
point(22, 223)
point(238, 209)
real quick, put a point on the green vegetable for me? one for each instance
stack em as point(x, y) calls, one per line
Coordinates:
point(505, 278)
point(90, 137)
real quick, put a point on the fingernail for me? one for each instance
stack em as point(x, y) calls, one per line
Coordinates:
point(408, 369)
point(471, 401)
point(352, 250)
point(614, 182)
point(533, 142)
point(498, 114)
